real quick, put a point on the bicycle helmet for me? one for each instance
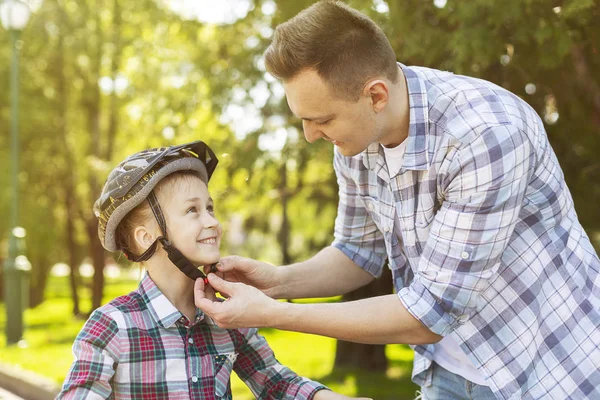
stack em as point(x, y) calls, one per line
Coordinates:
point(133, 180)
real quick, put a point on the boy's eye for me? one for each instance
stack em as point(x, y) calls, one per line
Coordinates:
point(323, 123)
point(210, 208)
point(192, 209)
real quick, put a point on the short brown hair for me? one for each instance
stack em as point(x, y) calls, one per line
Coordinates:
point(345, 47)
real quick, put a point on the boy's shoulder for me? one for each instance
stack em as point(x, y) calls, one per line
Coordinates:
point(123, 307)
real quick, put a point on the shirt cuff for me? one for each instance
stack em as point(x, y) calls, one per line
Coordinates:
point(367, 260)
point(427, 309)
point(309, 389)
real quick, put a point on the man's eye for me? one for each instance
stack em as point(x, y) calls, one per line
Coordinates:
point(192, 209)
point(323, 123)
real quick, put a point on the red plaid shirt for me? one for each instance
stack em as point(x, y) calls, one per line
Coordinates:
point(139, 346)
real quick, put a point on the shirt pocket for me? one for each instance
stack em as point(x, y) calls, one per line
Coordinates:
point(372, 209)
point(425, 212)
point(423, 220)
point(223, 365)
point(417, 231)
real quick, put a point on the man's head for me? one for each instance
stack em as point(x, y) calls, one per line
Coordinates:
point(344, 47)
point(338, 70)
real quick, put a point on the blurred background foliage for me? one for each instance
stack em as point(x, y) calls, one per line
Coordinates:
point(103, 79)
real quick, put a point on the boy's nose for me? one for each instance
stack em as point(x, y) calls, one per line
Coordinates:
point(210, 221)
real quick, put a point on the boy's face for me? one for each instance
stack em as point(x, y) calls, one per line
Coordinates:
point(191, 223)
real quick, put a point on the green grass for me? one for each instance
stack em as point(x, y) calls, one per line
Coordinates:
point(51, 329)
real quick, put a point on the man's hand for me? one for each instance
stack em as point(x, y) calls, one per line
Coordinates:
point(245, 307)
point(202, 291)
point(261, 275)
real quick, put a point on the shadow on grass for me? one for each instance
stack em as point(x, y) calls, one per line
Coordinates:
point(393, 385)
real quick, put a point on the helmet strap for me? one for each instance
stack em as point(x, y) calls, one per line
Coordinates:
point(184, 265)
point(145, 256)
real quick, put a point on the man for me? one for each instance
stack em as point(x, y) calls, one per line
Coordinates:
point(453, 180)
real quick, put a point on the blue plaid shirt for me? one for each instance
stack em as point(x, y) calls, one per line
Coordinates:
point(488, 248)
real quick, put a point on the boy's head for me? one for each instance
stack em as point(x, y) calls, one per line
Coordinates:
point(188, 210)
point(161, 195)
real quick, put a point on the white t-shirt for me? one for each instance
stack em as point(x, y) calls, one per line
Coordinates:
point(447, 352)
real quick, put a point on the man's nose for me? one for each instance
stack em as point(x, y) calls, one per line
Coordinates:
point(311, 133)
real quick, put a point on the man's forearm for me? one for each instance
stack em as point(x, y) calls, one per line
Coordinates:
point(376, 320)
point(329, 273)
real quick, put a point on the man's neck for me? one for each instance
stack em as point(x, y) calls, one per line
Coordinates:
point(399, 112)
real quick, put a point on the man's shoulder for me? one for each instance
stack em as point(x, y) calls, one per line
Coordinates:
point(444, 87)
point(450, 82)
point(463, 106)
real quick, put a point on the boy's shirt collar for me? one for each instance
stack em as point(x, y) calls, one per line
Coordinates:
point(162, 310)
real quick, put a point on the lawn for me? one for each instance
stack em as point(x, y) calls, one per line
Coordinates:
point(51, 328)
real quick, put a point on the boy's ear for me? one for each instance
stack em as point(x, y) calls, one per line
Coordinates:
point(143, 237)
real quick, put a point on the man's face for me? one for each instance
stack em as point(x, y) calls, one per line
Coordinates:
point(351, 126)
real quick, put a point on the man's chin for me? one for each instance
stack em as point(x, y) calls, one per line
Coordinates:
point(346, 152)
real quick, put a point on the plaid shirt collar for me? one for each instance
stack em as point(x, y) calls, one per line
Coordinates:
point(161, 309)
point(417, 155)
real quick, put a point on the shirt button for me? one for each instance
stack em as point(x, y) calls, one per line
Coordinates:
point(194, 379)
point(464, 255)
point(191, 341)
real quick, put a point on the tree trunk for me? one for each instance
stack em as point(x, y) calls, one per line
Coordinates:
point(70, 199)
point(97, 253)
point(358, 355)
point(93, 103)
point(37, 282)
point(72, 248)
point(284, 231)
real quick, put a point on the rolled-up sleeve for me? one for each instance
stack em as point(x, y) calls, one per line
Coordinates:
point(355, 233)
point(484, 191)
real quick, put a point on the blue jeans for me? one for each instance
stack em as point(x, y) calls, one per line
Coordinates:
point(446, 385)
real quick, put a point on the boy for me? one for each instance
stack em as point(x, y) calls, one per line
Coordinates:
point(154, 343)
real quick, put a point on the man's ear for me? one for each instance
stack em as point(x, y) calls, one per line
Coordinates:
point(378, 92)
point(143, 237)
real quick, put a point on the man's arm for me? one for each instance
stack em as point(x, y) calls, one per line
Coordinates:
point(329, 273)
point(487, 182)
point(376, 320)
